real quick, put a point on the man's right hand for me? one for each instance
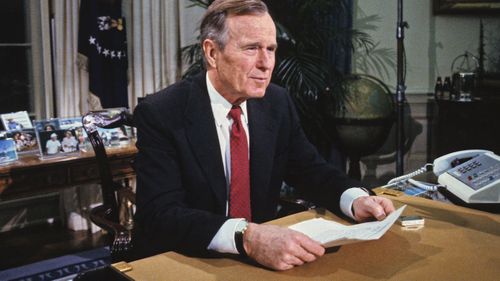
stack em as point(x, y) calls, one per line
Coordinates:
point(279, 248)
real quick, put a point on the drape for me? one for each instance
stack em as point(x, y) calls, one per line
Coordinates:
point(154, 41)
point(156, 30)
point(71, 82)
point(340, 56)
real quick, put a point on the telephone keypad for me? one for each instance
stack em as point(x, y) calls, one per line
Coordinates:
point(476, 175)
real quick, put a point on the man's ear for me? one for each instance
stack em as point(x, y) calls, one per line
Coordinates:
point(210, 50)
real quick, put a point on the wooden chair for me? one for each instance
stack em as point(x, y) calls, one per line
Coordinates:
point(107, 215)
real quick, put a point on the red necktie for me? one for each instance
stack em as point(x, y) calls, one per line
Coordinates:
point(239, 190)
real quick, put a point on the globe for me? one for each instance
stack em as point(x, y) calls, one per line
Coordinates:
point(366, 118)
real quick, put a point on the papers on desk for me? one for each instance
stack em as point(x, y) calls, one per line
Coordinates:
point(329, 233)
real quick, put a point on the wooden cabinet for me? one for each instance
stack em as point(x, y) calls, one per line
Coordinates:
point(467, 125)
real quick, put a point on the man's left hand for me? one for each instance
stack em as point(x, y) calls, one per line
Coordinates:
point(368, 207)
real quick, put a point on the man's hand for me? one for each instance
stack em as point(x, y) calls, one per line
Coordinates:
point(279, 248)
point(367, 207)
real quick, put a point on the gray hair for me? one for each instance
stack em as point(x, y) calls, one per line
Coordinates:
point(213, 25)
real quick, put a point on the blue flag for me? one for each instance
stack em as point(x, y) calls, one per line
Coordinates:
point(102, 39)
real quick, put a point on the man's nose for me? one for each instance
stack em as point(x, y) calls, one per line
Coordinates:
point(265, 60)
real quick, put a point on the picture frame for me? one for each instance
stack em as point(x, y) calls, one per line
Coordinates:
point(114, 137)
point(25, 140)
point(70, 123)
point(55, 143)
point(46, 125)
point(16, 121)
point(464, 7)
point(59, 137)
point(7, 151)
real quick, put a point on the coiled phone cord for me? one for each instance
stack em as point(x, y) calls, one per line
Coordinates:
point(408, 178)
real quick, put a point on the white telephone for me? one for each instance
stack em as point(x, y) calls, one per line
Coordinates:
point(476, 178)
point(471, 175)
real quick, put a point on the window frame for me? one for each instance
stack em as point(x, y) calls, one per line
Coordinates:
point(38, 48)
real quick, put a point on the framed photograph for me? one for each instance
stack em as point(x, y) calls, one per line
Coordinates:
point(83, 141)
point(7, 151)
point(46, 125)
point(16, 121)
point(114, 137)
point(483, 7)
point(59, 125)
point(58, 142)
point(25, 140)
point(70, 123)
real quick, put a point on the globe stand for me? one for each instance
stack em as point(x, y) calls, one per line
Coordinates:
point(400, 89)
point(364, 123)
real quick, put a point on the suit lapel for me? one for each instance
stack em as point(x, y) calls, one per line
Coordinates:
point(202, 136)
point(262, 148)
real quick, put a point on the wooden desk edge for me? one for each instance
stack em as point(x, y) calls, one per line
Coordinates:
point(415, 201)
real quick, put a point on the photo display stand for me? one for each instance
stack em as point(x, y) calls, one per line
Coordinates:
point(18, 127)
point(60, 137)
point(64, 137)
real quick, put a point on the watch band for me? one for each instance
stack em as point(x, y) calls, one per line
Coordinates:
point(238, 239)
point(369, 191)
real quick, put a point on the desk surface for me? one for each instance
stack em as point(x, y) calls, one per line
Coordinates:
point(30, 174)
point(455, 244)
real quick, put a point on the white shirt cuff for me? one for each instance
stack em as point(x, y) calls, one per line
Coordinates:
point(223, 241)
point(348, 198)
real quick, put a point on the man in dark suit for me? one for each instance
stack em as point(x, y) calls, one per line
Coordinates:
point(214, 151)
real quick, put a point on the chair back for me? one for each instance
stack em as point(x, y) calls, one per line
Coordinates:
point(106, 119)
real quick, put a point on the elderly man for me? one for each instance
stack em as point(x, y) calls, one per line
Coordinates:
point(214, 151)
point(53, 145)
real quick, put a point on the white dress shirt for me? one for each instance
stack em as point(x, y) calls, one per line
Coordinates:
point(223, 240)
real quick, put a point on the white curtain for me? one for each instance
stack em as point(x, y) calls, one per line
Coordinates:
point(156, 30)
point(71, 83)
point(154, 44)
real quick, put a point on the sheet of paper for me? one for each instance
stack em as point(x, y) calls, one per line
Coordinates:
point(329, 233)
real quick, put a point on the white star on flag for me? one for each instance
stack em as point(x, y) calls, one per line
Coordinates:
point(92, 40)
point(106, 52)
point(113, 54)
point(119, 55)
point(98, 48)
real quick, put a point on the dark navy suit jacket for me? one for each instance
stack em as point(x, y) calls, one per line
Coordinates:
point(181, 185)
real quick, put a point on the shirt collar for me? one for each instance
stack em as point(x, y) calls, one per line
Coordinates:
point(221, 107)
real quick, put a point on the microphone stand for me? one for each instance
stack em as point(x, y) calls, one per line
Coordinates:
point(400, 90)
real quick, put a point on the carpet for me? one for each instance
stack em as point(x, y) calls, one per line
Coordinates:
point(60, 268)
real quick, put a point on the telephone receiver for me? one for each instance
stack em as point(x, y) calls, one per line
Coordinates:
point(448, 161)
